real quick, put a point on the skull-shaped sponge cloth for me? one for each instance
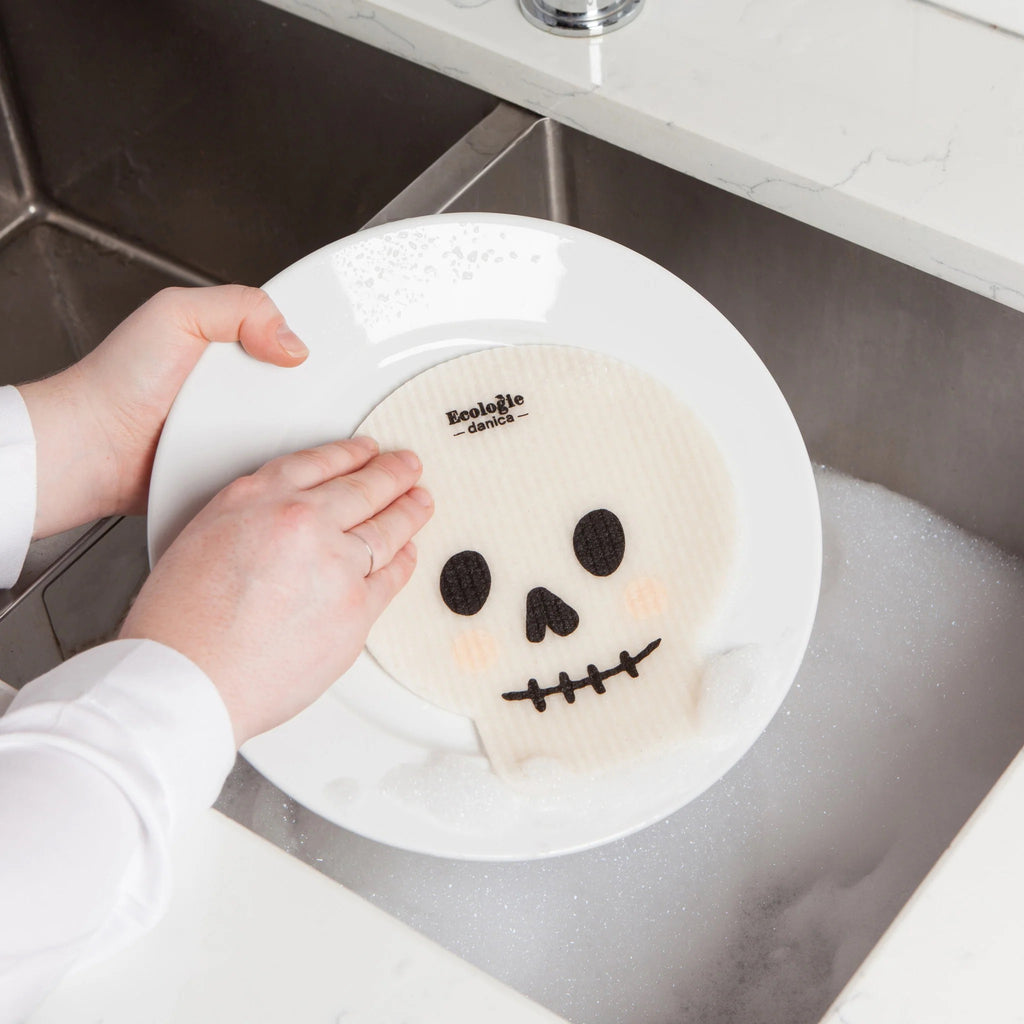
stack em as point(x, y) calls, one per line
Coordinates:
point(582, 538)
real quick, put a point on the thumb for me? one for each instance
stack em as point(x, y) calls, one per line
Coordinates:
point(234, 312)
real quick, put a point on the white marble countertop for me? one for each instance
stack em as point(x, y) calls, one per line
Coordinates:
point(953, 953)
point(895, 124)
point(253, 936)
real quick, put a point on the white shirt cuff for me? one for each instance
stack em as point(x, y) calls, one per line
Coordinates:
point(17, 484)
point(142, 713)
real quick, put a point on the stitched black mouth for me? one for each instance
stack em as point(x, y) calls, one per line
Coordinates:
point(567, 687)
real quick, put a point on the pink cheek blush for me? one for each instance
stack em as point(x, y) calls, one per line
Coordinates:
point(475, 650)
point(645, 597)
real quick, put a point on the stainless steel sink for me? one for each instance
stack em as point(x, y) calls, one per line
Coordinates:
point(894, 377)
point(185, 142)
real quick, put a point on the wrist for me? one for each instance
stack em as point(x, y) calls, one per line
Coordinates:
point(76, 473)
point(241, 714)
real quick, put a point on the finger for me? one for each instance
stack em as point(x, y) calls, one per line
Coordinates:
point(383, 584)
point(386, 533)
point(234, 312)
point(314, 466)
point(362, 494)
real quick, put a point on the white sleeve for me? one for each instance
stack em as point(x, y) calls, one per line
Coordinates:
point(99, 759)
point(17, 484)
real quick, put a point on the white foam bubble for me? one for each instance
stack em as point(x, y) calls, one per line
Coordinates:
point(737, 689)
point(343, 791)
point(458, 790)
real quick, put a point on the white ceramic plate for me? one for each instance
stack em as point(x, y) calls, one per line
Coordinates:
point(377, 308)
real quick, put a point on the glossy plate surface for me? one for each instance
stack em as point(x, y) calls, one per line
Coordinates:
point(379, 307)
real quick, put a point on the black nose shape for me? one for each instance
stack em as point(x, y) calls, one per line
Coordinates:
point(544, 611)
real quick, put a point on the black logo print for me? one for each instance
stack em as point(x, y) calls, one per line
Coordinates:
point(485, 415)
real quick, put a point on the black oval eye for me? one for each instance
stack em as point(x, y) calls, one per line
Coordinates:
point(599, 542)
point(465, 582)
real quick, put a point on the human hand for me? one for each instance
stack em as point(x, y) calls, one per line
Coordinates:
point(266, 589)
point(97, 423)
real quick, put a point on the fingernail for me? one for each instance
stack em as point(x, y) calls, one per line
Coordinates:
point(421, 497)
point(365, 442)
point(409, 458)
point(291, 342)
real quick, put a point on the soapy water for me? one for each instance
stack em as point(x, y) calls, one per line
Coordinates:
point(756, 902)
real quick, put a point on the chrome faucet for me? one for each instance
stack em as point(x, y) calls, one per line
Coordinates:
point(580, 17)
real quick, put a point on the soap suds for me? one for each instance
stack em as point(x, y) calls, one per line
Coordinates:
point(462, 792)
point(738, 688)
point(756, 902)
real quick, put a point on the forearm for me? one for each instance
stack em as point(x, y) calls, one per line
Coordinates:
point(76, 475)
point(17, 484)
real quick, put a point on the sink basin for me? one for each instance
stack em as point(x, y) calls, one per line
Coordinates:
point(757, 902)
point(723, 912)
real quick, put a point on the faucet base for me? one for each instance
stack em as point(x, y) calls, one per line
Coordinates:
point(580, 17)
